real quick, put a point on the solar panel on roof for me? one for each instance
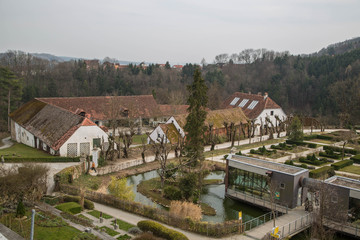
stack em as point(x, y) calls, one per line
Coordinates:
point(243, 102)
point(234, 101)
point(253, 104)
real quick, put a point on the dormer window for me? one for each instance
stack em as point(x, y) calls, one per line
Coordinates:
point(125, 112)
point(82, 114)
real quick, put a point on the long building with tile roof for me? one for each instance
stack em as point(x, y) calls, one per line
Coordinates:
point(54, 129)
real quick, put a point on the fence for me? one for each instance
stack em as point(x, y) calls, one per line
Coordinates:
point(122, 165)
point(296, 226)
point(256, 200)
point(255, 222)
point(204, 228)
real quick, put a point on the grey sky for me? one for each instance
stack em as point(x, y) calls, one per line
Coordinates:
point(174, 30)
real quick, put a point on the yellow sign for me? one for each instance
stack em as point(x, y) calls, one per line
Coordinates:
point(274, 232)
point(240, 215)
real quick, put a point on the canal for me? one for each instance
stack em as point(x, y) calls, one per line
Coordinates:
point(226, 208)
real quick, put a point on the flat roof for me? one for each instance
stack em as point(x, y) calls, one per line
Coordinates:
point(278, 167)
point(344, 182)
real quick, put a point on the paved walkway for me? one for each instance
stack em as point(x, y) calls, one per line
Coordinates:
point(8, 234)
point(7, 143)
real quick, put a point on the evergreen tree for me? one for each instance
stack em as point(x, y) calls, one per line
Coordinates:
point(195, 121)
point(167, 65)
point(295, 130)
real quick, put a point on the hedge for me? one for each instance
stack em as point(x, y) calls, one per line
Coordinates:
point(87, 203)
point(160, 231)
point(317, 173)
point(324, 137)
point(69, 207)
point(313, 162)
point(45, 159)
point(334, 155)
point(339, 149)
point(342, 164)
point(356, 158)
point(299, 143)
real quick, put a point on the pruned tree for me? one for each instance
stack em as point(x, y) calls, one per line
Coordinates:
point(271, 128)
point(143, 149)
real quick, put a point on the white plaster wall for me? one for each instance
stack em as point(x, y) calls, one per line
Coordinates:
point(24, 136)
point(267, 113)
point(84, 134)
point(158, 132)
point(172, 120)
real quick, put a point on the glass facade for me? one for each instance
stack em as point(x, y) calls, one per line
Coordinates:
point(249, 182)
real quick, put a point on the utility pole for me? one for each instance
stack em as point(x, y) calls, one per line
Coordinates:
point(32, 224)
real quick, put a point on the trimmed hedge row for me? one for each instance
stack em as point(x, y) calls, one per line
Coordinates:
point(160, 231)
point(320, 172)
point(339, 149)
point(342, 164)
point(356, 158)
point(329, 155)
point(318, 136)
point(300, 143)
point(45, 159)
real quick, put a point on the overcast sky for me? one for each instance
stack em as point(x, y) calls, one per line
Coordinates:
point(175, 30)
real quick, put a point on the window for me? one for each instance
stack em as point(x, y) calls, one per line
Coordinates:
point(282, 185)
point(234, 101)
point(272, 113)
point(243, 102)
point(253, 104)
point(96, 142)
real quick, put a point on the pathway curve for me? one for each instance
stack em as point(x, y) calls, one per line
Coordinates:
point(6, 143)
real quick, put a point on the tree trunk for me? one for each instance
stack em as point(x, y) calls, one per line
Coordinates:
point(9, 101)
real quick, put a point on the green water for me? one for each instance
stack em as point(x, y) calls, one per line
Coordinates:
point(226, 208)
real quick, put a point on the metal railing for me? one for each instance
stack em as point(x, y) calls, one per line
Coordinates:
point(256, 200)
point(255, 222)
point(295, 226)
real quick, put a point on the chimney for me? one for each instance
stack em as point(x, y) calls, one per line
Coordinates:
point(265, 95)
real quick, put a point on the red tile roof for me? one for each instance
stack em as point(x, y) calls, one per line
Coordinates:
point(264, 102)
point(171, 110)
point(100, 108)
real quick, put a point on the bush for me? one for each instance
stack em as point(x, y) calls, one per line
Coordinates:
point(134, 231)
point(324, 137)
point(342, 164)
point(298, 143)
point(289, 162)
point(51, 200)
point(76, 219)
point(185, 209)
point(329, 154)
point(339, 149)
point(159, 230)
point(70, 207)
point(41, 159)
point(20, 209)
point(356, 158)
point(303, 165)
point(321, 172)
point(252, 151)
point(172, 193)
point(312, 145)
point(87, 203)
point(225, 156)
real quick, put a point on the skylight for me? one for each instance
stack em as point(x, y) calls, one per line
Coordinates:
point(253, 104)
point(243, 102)
point(234, 101)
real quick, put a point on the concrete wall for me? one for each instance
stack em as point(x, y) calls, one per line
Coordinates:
point(23, 136)
point(267, 113)
point(84, 134)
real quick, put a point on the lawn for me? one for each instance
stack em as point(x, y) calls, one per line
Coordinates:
point(137, 139)
point(322, 141)
point(96, 214)
point(47, 227)
point(351, 169)
point(123, 225)
point(21, 150)
point(110, 231)
point(2, 136)
point(91, 182)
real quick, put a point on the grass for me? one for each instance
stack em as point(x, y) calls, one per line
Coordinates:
point(351, 169)
point(145, 188)
point(224, 151)
point(49, 228)
point(123, 225)
point(137, 139)
point(96, 214)
point(2, 136)
point(322, 141)
point(124, 237)
point(110, 231)
point(69, 207)
point(83, 217)
point(91, 182)
point(20, 150)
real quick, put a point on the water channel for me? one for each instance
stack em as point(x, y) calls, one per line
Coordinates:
point(226, 208)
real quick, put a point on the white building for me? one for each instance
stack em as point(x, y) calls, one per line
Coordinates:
point(256, 107)
point(55, 130)
point(171, 127)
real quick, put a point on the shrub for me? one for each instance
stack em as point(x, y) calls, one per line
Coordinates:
point(312, 145)
point(187, 185)
point(20, 209)
point(289, 162)
point(76, 219)
point(69, 207)
point(329, 154)
point(320, 172)
point(134, 231)
point(339, 149)
point(324, 137)
point(225, 156)
point(172, 193)
point(159, 230)
point(146, 236)
point(342, 164)
point(185, 209)
point(87, 203)
point(51, 200)
point(252, 151)
point(303, 165)
point(356, 158)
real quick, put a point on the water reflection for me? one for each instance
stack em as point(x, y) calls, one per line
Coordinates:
point(226, 208)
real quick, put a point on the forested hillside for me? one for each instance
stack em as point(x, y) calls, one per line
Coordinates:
point(326, 86)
